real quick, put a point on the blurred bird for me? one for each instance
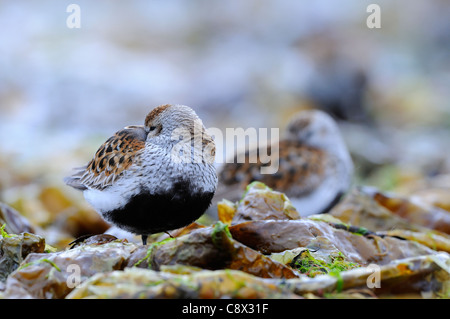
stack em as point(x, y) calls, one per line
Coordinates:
point(315, 167)
point(154, 177)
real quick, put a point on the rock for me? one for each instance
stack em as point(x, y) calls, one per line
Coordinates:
point(438, 197)
point(359, 208)
point(429, 274)
point(261, 248)
point(15, 248)
point(435, 241)
point(207, 284)
point(54, 275)
point(80, 221)
point(412, 210)
point(14, 221)
point(270, 236)
point(258, 203)
point(226, 210)
point(209, 248)
point(423, 274)
point(93, 240)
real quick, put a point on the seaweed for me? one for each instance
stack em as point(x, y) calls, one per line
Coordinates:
point(150, 249)
point(3, 232)
point(15, 248)
point(217, 233)
point(307, 264)
point(357, 230)
point(46, 260)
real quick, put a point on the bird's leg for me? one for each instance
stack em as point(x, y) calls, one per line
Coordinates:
point(169, 234)
point(144, 239)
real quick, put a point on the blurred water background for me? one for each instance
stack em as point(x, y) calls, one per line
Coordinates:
point(249, 63)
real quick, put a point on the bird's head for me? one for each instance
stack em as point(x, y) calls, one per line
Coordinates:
point(314, 128)
point(179, 125)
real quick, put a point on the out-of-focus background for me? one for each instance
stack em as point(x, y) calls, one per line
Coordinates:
point(249, 63)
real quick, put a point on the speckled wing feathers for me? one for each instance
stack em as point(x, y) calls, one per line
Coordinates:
point(301, 170)
point(112, 158)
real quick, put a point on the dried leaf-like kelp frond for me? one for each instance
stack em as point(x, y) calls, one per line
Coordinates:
point(14, 248)
point(413, 210)
point(209, 248)
point(429, 273)
point(268, 236)
point(46, 275)
point(262, 203)
point(146, 283)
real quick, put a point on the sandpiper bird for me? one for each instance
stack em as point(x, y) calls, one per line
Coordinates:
point(154, 177)
point(315, 168)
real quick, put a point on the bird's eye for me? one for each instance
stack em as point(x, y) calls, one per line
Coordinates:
point(154, 130)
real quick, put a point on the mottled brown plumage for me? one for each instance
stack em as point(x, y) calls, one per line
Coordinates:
point(145, 179)
point(314, 166)
point(299, 165)
point(114, 156)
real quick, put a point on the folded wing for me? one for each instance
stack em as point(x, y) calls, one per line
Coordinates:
point(112, 158)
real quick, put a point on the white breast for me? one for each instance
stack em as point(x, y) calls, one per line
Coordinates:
point(112, 197)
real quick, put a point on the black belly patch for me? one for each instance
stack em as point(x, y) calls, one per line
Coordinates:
point(148, 213)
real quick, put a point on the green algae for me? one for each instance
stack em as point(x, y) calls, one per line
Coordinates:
point(307, 264)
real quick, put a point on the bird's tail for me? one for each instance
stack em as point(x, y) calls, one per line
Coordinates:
point(75, 179)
